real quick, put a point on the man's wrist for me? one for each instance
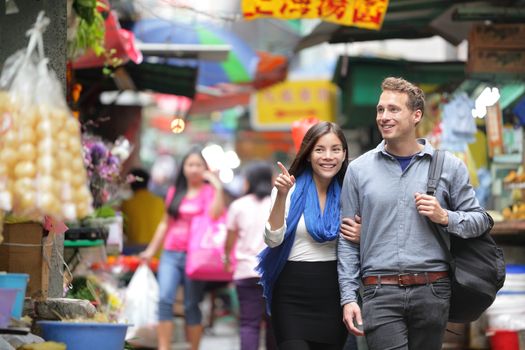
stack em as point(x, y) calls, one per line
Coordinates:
point(444, 218)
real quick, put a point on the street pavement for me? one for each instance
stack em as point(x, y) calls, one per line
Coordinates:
point(223, 335)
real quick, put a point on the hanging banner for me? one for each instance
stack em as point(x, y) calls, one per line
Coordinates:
point(494, 125)
point(367, 14)
point(277, 107)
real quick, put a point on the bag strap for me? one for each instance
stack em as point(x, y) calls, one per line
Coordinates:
point(434, 174)
point(434, 171)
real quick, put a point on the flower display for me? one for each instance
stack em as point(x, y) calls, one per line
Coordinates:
point(103, 163)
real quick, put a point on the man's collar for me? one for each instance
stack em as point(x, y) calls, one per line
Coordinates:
point(427, 148)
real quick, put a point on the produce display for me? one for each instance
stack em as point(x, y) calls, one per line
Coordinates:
point(515, 180)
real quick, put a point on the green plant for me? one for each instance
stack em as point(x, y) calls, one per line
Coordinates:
point(90, 28)
point(88, 289)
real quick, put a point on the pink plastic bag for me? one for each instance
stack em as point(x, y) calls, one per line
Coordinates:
point(206, 249)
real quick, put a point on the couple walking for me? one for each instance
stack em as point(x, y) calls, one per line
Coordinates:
point(319, 253)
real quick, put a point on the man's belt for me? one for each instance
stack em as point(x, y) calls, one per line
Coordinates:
point(406, 279)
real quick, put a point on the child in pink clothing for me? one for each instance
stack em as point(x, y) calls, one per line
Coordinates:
point(196, 191)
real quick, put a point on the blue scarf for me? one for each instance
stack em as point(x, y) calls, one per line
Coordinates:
point(322, 228)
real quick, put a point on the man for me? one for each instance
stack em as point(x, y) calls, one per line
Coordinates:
point(142, 213)
point(403, 270)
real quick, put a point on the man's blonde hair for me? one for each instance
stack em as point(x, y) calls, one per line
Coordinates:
point(416, 96)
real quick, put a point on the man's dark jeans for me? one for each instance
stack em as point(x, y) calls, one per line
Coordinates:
point(413, 317)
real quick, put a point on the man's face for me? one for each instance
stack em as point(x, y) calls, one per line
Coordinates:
point(394, 119)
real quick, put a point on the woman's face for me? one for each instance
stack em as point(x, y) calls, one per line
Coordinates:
point(194, 168)
point(327, 157)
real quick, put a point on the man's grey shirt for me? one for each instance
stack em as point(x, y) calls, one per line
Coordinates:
point(395, 238)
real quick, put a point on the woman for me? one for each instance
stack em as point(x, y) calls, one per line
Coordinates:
point(196, 190)
point(245, 225)
point(299, 268)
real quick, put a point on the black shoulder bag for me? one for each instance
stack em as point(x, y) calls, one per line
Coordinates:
point(477, 266)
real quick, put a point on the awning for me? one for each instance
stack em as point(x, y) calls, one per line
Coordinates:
point(405, 19)
point(205, 103)
point(271, 69)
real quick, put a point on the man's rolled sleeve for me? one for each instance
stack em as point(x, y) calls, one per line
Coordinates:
point(466, 219)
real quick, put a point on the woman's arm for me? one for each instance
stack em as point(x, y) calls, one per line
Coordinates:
point(228, 246)
point(217, 205)
point(283, 183)
point(277, 213)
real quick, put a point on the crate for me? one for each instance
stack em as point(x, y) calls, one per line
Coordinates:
point(27, 249)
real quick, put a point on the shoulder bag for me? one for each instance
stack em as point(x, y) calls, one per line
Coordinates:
point(477, 266)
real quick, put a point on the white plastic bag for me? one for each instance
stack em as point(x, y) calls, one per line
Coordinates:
point(141, 308)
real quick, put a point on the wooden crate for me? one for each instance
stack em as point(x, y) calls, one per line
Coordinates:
point(27, 249)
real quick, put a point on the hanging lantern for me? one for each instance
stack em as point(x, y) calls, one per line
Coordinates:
point(178, 125)
point(299, 129)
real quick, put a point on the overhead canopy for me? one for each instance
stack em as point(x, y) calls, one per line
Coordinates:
point(238, 67)
point(413, 19)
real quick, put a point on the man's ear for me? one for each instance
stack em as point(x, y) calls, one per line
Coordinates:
point(418, 115)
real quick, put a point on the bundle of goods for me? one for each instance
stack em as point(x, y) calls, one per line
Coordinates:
point(42, 170)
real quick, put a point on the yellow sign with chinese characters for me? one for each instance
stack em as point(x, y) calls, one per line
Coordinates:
point(276, 107)
point(368, 14)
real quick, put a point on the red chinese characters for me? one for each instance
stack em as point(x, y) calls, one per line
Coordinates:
point(337, 8)
point(360, 13)
point(369, 13)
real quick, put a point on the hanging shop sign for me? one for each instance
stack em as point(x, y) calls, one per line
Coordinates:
point(277, 107)
point(497, 48)
point(505, 36)
point(496, 61)
point(368, 14)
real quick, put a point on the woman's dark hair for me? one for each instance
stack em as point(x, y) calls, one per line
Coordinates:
point(259, 177)
point(311, 137)
point(181, 183)
point(141, 183)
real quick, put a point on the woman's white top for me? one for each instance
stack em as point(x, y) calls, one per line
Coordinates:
point(304, 247)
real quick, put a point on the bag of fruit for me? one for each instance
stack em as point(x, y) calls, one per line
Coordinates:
point(42, 170)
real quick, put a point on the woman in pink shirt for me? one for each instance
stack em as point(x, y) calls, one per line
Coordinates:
point(196, 190)
point(245, 223)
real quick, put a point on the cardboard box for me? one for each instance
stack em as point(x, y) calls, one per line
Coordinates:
point(498, 36)
point(26, 250)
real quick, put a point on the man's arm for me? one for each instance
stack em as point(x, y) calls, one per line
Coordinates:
point(466, 218)
point(348, 263)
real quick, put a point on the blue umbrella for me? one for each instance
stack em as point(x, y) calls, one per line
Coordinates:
point(239, 67)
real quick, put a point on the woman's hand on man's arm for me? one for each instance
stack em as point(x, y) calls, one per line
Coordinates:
point(351, 229)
